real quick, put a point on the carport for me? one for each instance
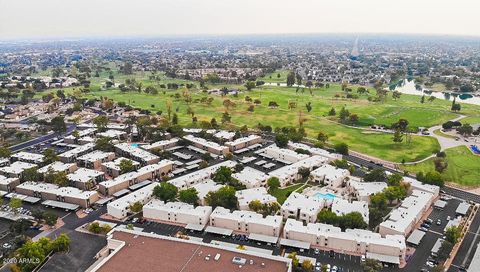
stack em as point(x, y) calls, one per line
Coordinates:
point(294, 243)
point(219, 231)
point(195, 227)
point(103, 201)
point(462, 209)
point(121, 193)
point(440, 204)
point(416, 237)
point(384, 258)
point(139, 185)
point(263, 238)
point(61, 205)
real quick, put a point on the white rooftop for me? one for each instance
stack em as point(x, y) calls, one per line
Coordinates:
point(84, 175)
point(250, 177)
point(17, 167)
point(203, 174)
point(95, 156)
point(342, 207)
point(160, 144)
point(27, 156)
point(56, 167)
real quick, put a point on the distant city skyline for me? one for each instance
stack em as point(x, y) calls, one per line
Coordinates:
point(23, 19)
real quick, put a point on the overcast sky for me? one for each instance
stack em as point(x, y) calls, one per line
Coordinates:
point(107, 18)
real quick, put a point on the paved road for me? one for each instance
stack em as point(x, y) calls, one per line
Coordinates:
point(40, 139)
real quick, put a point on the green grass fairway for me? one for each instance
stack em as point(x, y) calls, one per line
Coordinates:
point(463, 167)
point(322, 100)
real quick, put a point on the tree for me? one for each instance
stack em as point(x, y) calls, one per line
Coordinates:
point(100, 122)
point(58, 124)
point(126, 166)
point(307, 265)
point(50, 218)
point(371, 265)
point(290, 79)
point(165, 191)
point(304, 172)
point(104, 144)
point(136, 207)
point(343, 115)
point(394, 179)
point(30, 174)
point(397, 136)
point(174, 119)
point(309, 106)
point(189, 196)
point(327, 217)
point(453, 234)
point(465, 130)
point(434, 178)
point(322, 137)
point(281, 140)
point(295, 261)
point(273, 184)
point(445, 250)
point(5, 152)
point(376, 175)
point(255, 205)
point(396, 95)
point(332, 112)
point(15, 203)
point(62, 243)
point(50, 156)
point(341, 148)
point(250, 85)
point(224, 197)
point(226, 118)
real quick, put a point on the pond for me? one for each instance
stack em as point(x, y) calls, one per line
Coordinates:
point(409, 88)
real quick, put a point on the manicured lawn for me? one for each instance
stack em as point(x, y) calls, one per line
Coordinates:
point(440, 133)
point(463, 167)
point(282, 193)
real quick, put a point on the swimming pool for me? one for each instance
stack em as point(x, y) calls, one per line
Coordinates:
point(134, 145)
point(327, 196)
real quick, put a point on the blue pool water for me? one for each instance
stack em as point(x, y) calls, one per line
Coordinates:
point(327, 196)
point(475, 149)
point(134, 145)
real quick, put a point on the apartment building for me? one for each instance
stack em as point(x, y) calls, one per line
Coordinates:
point(211, 147)
point(150, 172)
point(289, 173)
point(177, 212)
point(243, 142)
point(248, 195)
point(246, 221)
point(112, 168)
point(251, 178)
point(94, 160)
point(136, 153)
point(120, 207)
point(302, 207)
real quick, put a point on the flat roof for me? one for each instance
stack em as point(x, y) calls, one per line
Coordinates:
point(440, 204)
point(383, 258)
point(24, 198)
point(61, 205)
point(462, 208)
point(294, 243)
point(263, 238)
point(167, 254)
point(220, 231)
point(416, 237)
point(196, 227)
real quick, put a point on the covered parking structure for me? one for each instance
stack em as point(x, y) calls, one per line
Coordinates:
point(263, 238)
point(219, 231)
point(383, 258)
point(462, 209)
point(61, 205)
point(416, 237)
point(294, 243)
point(195, 227)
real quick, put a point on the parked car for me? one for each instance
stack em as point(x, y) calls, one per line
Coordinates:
point(439, 222)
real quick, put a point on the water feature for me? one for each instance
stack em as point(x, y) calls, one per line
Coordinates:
point(408, 87)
